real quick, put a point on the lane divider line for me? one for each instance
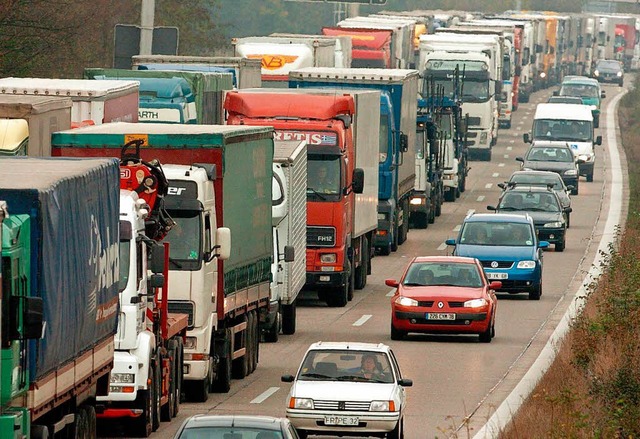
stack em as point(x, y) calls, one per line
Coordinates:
point(481, 198)
point(442, 246)
point(495, 174)
point(362, 320)
point(391, 293)
point(488, 185)
point(457, 228)
point(264, 395)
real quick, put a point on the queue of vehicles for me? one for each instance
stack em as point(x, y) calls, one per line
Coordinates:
point(181, 307)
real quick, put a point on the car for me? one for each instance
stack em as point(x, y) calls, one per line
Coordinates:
point(557, 158)
point(236, 427)
point(544, 178)
point(544, 207)
point(443, 294)
point(332, 392)
point(489, 237)
point(609, 70)
point(588, 89)
point(565, 100)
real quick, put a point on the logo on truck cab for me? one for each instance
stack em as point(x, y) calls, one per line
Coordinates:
point(274, 62)
point(325, 138)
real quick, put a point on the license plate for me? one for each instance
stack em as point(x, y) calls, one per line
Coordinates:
point(441, 316)
point(341, 420)
point(498, 276)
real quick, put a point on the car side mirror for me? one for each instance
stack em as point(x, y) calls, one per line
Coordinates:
point(450, 242)
point(391, 283)
point(502, 186)
point(569, 209)
point(287, 378)
point(599, 140)
point(494, 208)
point(405, 382)
point(495, 285)
point(543, 244)
point(526, 137)
point(519, 159)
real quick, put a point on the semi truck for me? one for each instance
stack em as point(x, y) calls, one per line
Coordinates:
point(370, 48)
point(59, 293)
point(341, 129)
point(279, 55)
point(245, 71)
point(203, 95)
point(343, 46)
point(399, 169)
point(224, 183)
point(28, 121)
point(93, 102)
point(289, 216)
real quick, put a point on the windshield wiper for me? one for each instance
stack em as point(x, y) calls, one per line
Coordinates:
point(314, 375)
point(176, 263)
point(314, 192)
point(413, 284)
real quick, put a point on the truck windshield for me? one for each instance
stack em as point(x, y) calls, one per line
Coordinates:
point(125, 262)
point(475, 91)
point(384, 138)
point(184, 240)
point(323, 177)
point(556, 129)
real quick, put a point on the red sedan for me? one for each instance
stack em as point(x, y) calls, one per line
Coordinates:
point(444, 294)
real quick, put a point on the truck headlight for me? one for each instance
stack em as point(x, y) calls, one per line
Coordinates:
point(543, 75)
point(596, 73)
point(301, 403)
point(571, 172)
point(328, 258)
point(406, 301)
point(619, 74)
point(483, 137)
point(122, 378)
point(382, 406)
point(475, 303)
point(527, 264)
point(554, 224)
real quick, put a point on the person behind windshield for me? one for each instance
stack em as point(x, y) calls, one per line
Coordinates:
point(323, 181)
point(476, 235)
point(519, 236)
point(369, 368)
point(513, 201)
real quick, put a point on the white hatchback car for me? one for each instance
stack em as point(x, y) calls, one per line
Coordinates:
point(346, 387)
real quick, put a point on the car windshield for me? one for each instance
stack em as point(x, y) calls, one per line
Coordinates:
point(581, 90)
point(563, 129)
point(496, 234)
point(346, 365)
point(529, 201)
point(220, 432)
point(550, 154)
point(443, 274)
point(608, 65)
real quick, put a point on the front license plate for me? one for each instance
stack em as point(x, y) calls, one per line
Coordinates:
point(341, 420)
point(497, 276)
point(441, 316)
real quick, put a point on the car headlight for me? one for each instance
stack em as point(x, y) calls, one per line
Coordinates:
point(190, 343)
point(301, 403)
point(122, 378)
point(543, 75)
point(382, 406)
point(328, 258)
point(527, 264)
point(571, 172)
point(476, 303)
point(483, 137)
point(406, 301)
point(596, 73)
point(619, 74)
point(555, 224)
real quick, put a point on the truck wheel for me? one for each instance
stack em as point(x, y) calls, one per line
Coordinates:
point(80, 425)
point(439, 204)
point(457, 192)
point(352, 281)
point(289, 319)
point(251, 342)
point(422, 219)
point(590, 177)
point(157, 390)
point(239, 365)
point(272, 333)
point(92, 421)
point(385, 251)
point(596, 121)
point(143, 424)
point(486, 155)
point(222, 383)
point(39, 432)
point(449, 195)
point(403, 231)
point(338, 297)
point(179, 375)
point(574, 191)
point(198, 390)
point(463, 182)
point(256, 342)
point(361, 271)
point(166, 412)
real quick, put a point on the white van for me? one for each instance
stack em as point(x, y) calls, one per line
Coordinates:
point(570, 124)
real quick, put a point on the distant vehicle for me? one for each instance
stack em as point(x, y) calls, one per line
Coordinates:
point(348, 388)
point(586, 88)
point(490, 238)
point(555, 158)
point(444, 294)
point(609, 70)
point(565, 100)
point(236, 427)
point(544, 178)
point(544, 207)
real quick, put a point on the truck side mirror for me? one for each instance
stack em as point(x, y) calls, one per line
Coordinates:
point(33, 316)
point(223, 242)
point(556, 93)
point(358, 180)
point(156, 258)
point(155, 281)
point(599, 140)
point(404, 142)
point(526, 138)
point(289, 253)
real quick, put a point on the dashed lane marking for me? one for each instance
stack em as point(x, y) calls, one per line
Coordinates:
point(264, 395)
point(456, 228)
point(442, 246)
point(495, 174)
point(488, 185)
point(362, 320)
point(481, 198)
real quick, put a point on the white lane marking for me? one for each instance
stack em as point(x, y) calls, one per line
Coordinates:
point(500, 165)
point(512, 141)
point(470, 212)
point(362, 320)
point(481, 198)
point(488, 185)
point(506, 156)
point(442, 246)
point(457, 228)
point(503, 415)
point(516, 135)
point(509, 148)
point(521, 122)
point(495, 174)
point(391, 293)
point(264, 395)
point(518, 127)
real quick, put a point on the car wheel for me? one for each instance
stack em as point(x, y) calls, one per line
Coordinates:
point(398, 432)
point(574, 191)
point(485, 337)
point(568, 220)
point(302, 434)
point(590, 177)
point(536, 292)
point(621, 83)
point(397, 334)
point(559, 247)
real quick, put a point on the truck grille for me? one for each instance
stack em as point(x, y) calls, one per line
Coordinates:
point(474, 121)
point(182, 307)
point(321, 236)
point(360, 406)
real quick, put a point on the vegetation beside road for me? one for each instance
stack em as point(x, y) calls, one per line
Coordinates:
point(593, 388)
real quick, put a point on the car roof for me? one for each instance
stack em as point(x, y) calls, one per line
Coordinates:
point(524, 187)
point(563, 111)
point(498, 218)
point(451, 259)
point(267, 422)
point(534, 172)
point(559, 144)
point(349, 345)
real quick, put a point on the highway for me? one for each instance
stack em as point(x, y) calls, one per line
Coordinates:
point(455, 377)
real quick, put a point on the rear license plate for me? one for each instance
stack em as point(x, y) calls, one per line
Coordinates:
point(440, 316)
point(498, 276)
point(341, 420)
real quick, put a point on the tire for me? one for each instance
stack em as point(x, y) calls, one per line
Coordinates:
point(486, 336)
point(289, 318)
point(198, 390)
point(536, 293)
point(352, 281)
point(432, 211)
point(403, 230)
point(422, 219)
point(463, 183)
point(574, 191)
point(272, 334)
point(338, 297)
point(80, 426)
point(39, 432)
point(439, 204)
point(559, 246)
point(222, 383)
point(256, 345)
point(394, 241)
point(239, 365)
point(396, 334)
point(385, 251)
point(486, 155)
point(450, 195)
point(302, 434)
point(167, 410)
point(251, 341)
point(157, 389)
point(590, 177)
point(596, 121)
point(568, 220)
point(143, 424)
point(179, 375)
point(457, 192)
point(398, 431)
point(361, 271)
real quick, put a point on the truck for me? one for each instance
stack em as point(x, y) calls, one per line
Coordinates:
point(370, 48)
point(343, 46)
point(59, 293)
point(441, 55)
point(279, 55)
point(28, 121)
point(223, 187)
point(92, 102)
point(201, 91)
point(341, 129)
point(245, 71)
point(398, 166)
point(289, 216)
